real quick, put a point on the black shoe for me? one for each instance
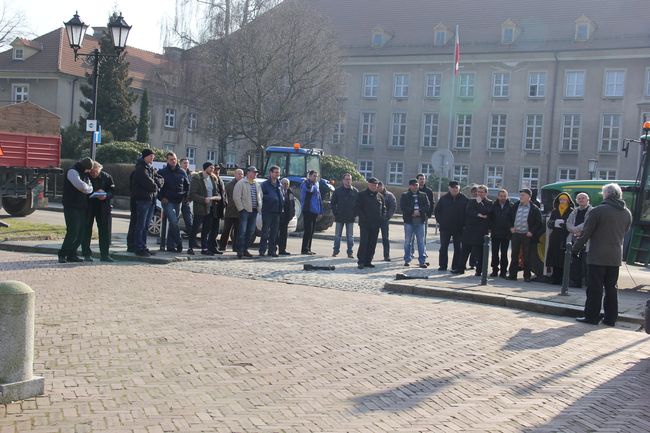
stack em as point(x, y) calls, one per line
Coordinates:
point(612, 324)
point(457, 271)
point(350, 256)
point(62, 259)
point(585, 320)
point(246, 253)
point(284, 253)
point(179, 249)
point(273, 255)
point(143, 253)
point(190, 252)
point(240, 255)
point(334, 254)
point(423, 265)
point(218, 251)
point(106, 259)
point(511, 278)
point(207, 253)
point(527, 279)
point(442, 268)
point(387, 259)
point(477, 274)
point(503, 275)
point(151, 253)
point(427, 263)
point(74, 259)
point(369, 265)
point(407, 264)
point(494, 274)
point(360, 266)
point(262, 254)
point(88, 258)
point(130, 250)
point(311, 253)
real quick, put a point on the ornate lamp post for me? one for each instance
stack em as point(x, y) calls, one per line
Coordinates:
point(76, 30)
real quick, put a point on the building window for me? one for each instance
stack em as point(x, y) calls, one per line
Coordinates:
point(231, 158)
point(398, 130)
point(614, 84)
point(192, 121)
point(365, 168)
point(564, 174)
point(168, 147)
point(19, 54)
point(370, 85)
point(494, 176)
point(463, 131)
point(466, 85)
point(170, 118)
point(440, 38)
point(432, 82)
point(368, 129)
point(20, 92)
point(507, 35)
point(530, 177)
point(501, 84)
point(430, 130)
point(537, 84)
point(497, 132)
point(426, 169)
point(211, 156)
point(582, 32)
point(606, 174)
point(610, 132)
point(533, 132)
point(339, 129)
point(401, 86)
point(378, 38)
point(574, 84)
point(461, 173)
point(571, 126)
point(190, 154)
point(395, 172)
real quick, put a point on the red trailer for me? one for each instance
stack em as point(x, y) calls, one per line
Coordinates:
point(30, 151)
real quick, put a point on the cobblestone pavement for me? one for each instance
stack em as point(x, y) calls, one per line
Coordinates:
point(136, 348)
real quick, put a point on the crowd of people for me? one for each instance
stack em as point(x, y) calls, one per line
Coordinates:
point(202, 200)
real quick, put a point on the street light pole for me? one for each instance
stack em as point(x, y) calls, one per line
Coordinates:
point(76, 30)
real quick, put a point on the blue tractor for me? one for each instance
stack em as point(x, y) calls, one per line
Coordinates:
point(295, 162)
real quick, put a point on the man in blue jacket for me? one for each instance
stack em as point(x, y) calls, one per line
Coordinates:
point(272, 206)
point(171, 195)
point(312, 206)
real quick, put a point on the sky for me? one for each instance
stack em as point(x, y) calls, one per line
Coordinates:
point(146, 16)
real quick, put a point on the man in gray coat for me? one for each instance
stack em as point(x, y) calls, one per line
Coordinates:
point(605, 229)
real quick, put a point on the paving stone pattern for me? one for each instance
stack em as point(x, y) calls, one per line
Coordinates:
point(138, 348)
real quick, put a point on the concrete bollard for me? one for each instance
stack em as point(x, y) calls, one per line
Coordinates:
point(17, 381)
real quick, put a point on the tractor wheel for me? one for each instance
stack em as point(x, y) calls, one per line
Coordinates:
point(18, 207)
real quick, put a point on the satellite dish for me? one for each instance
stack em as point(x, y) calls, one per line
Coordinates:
point(442, 161)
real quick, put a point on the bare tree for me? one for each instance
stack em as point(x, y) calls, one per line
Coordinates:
point(12, 24)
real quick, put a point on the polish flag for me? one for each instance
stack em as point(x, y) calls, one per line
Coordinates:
point(457, 54)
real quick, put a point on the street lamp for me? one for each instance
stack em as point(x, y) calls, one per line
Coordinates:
point(76, 30)
point(592, 165)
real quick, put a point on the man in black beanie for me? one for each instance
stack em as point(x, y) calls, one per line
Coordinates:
point(145, 184)
point(76, 189)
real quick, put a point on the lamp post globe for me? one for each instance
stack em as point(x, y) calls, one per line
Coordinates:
point(76, 30)
point(119, 30)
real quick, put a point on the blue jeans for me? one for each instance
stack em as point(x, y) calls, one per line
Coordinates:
point(426, 229)
point(186, 210)
point(270, 226)
point(246, 229)
point(172, 213)
point(414, 229)
point(144, 213)
point(349, 236)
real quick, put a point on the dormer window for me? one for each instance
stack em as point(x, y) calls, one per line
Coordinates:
point(19, 54)
point(440, 35)
point(584, 29)
point(379, 37)
point(508, 32)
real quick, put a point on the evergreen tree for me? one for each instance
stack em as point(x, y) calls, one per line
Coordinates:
point(114, 99)
point(143, 123)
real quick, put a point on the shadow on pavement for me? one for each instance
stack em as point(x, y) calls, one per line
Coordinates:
point(526, 339)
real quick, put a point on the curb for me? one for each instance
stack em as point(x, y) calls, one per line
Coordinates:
point(506, 301)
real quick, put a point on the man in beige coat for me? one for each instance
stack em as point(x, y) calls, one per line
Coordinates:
point(247, 196)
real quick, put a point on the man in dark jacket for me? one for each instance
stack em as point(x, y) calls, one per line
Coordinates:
point(476, 227)
point(391, 207)
point(272, 207)
point(500, 234)
point(526, 227)
point(415, 208)
point(231, 215)
point(99, 209)
point(450, 217)
point(218, 210)
point(342, 202)
point(371, 210)
point(186, 206)
point(174, 191)
point(76, 188)
point(288, 212)
point(204, 194)
point(604, 230)
point(312, 206)
point(145, 185)
point(422, 186)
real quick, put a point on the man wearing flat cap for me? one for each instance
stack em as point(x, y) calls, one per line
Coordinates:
point(76, 189)
point(525, 225)
point(145, 185)
point(371, 209)
point(450, 216)
point(204, 193)
point(247, 196)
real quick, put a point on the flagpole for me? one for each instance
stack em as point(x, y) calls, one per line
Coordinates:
point(454, 68)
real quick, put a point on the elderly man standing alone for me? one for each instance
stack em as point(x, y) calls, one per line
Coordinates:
point(604, 230)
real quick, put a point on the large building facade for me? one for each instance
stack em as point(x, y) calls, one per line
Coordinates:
point(542, 89)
